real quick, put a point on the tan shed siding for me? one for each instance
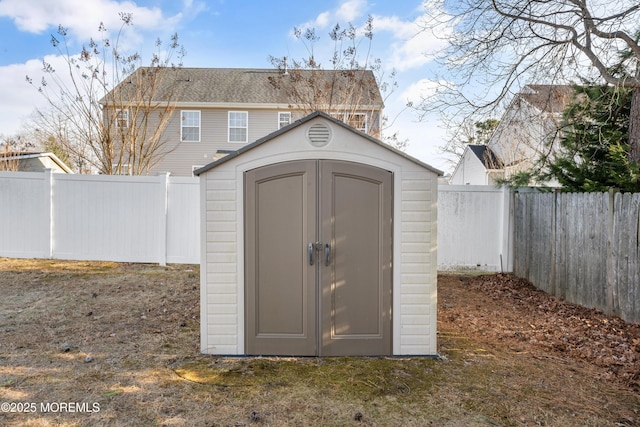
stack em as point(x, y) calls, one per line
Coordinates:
point(222, 269)
point(418, 282)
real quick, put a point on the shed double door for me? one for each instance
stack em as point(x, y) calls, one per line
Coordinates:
point(318, 259)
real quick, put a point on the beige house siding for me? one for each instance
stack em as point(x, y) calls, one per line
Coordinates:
point(182, 156)
point(414, 246)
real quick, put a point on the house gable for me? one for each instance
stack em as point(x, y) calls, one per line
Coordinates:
point(528, 126)
point(475, 166)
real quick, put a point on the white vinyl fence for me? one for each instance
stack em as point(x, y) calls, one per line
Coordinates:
point(98, 217)
point(475, 228)
point(157, 219)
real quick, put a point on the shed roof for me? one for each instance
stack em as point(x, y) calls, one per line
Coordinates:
point(300, 122)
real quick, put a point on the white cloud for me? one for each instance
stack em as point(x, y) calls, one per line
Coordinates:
point(423, 89)
point(411, 46)
point(19, 98)
point(347, 12)
point(81, 17)
point(351, 10)
point(322, 21)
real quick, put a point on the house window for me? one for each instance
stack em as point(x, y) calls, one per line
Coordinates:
point(125, 169)
point(336, 115)
point(122, 119)
point(238, 126)
point(358, 121)
point(284, 119)
point(190, 126)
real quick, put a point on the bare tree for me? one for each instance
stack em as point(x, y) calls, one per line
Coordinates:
point(497, 46)
point(470, 132)
point(103, 108)
point(11, 147)
point(353, 88)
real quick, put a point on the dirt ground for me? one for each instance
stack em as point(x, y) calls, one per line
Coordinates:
point(91, 343)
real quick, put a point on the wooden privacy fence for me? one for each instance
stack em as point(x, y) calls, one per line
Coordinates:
point(99, 217)
point(581, 247)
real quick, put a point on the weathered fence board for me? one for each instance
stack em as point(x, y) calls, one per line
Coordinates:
point(582, 247)
point(625, 266)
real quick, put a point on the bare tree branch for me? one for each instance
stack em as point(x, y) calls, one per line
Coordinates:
point(353, 84)
point(103, 129)
point(498, 46)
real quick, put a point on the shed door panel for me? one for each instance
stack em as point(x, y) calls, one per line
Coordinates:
point(356, 286)
point(340, 304)
point(281, 290)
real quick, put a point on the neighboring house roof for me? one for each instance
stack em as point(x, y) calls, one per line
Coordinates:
point(486, 156)
point(532, 115)
point(531, 120)
point(547, 98)
point(26, 156)
point(235, 85)
point(301, 122)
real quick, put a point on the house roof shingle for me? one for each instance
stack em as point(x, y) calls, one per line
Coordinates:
point(486, 156)
point(549, 98)
point(235, 85)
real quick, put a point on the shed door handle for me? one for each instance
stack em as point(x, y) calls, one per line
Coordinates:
point(310, 250)
point(327, 253)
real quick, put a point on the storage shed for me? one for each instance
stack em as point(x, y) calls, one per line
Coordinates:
point(318, 240)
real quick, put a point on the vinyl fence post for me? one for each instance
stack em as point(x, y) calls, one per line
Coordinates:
point(48, 194)
point(164, 210)
point(506, 231)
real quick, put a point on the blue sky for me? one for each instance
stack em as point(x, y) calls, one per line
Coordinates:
point(224, 33)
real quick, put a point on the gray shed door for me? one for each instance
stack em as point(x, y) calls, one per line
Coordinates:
point(318, 259)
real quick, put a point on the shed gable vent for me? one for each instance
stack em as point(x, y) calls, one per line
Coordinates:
point(319, 135)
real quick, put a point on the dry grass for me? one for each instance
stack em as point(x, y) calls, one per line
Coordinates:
point(126, 337)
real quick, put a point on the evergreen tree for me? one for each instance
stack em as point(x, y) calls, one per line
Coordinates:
point(593, 152)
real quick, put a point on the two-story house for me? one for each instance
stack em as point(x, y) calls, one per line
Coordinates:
point(205, 113)
point(528, 129)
